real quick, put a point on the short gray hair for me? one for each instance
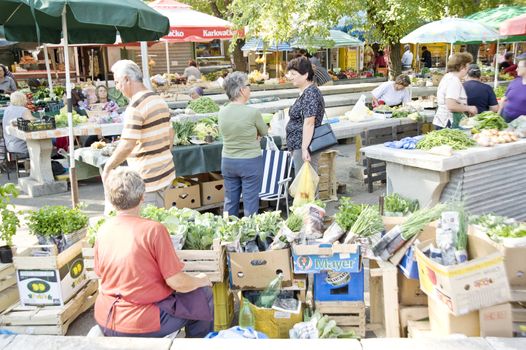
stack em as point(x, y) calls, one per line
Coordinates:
point(18, 98)
point(234, 83)
point(127, 68)
point(125, 188)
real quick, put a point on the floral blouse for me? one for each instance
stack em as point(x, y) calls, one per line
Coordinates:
point(309, 104)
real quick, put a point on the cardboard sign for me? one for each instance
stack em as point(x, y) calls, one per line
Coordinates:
point(324, 257)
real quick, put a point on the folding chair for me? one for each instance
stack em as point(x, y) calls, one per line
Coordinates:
point(276, 177)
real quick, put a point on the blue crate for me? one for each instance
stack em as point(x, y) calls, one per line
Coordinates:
point(350, 291)
point(408, 265)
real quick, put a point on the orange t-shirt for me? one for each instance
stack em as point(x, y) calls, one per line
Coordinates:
point(133, 258)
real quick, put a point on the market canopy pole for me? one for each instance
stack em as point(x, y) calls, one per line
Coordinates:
point(77, 69)
point(48, 71)
point(144, 61)
point(496, 79)
point(72, 168)
point(167, 49)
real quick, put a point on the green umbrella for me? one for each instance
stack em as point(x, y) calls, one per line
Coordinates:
point(88, 21)
point(80, 22)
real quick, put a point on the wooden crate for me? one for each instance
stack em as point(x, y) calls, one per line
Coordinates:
point(8, 297)
point(49, 320)
point(349, 315)
point(409, 314)
point(210, 262)
point(419, 329)
point(328, 185)
point(88, 253)
point(7, 276)
point(384, 307)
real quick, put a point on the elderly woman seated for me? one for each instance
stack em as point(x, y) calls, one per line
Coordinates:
point(143, 291)
point(17, 109)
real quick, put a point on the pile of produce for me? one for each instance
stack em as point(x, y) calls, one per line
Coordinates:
point(367, 224)
point(347, 213)
point(500, 91)
point(204, 130)
point(256, 77)
point(400, 234)
point(499, 228)
point(319, 326)
point(61, 119)
point(489, 120)
point(519, 126)
point(488, 138)
point(396, 205)
point(454, 138)
point(203, 105)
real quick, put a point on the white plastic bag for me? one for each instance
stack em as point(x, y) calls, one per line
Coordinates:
point(359, 112)
point(278, 124)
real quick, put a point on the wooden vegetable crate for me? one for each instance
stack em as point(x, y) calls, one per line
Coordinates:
point(88, 253)
point(349, 315)
point(210, 262)
point(49, 320)
point(8, 289)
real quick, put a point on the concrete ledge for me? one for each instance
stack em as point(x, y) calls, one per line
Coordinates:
point(22, 342)
point(35, 189)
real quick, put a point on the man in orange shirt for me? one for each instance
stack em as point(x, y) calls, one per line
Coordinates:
point(143, 291)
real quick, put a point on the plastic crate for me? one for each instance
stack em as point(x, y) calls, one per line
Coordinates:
point(350, 288)
point(28, 126)
point(223, 306)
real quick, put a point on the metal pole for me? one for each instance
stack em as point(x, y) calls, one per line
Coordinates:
point(327, 59)
point(144, 60)
point(167, 57)
point(496, 80)
point(72, 169)
point(77, 67)
point(92, 64)
point(48, 71)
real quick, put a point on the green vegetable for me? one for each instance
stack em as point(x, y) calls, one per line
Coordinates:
point(294, 223)
point(498, 227)
point(348, 213)
point(500, 91)
point(490, 120)
point(419, 219)
point(10, 221)
point(457, 139)
point(202, 130)
point(61, 120)
point(395, 203)
point(117, 96)
point(56, 220)
point(182, 132)
point(368, 223)
point(462, 235)
point(203, 105)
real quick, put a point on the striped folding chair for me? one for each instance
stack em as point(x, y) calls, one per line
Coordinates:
point(276, 177)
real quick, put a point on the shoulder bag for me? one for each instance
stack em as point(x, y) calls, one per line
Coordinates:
point(323, 138)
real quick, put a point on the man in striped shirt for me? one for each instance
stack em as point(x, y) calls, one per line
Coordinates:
point(147, 136)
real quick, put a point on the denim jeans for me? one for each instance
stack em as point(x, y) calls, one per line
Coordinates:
point(242, 176)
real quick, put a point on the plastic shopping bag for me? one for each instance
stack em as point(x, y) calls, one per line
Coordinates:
point(278, 124)
point(303, 188)
point(359, 112)
point(270, 144)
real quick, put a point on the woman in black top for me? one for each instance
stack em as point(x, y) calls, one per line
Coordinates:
point(479, 94)
point(305, 114)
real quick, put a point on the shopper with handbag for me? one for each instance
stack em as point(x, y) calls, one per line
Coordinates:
point(306, 113)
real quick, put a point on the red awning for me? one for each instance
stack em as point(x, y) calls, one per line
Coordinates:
point(514, 26)
point(187, 25)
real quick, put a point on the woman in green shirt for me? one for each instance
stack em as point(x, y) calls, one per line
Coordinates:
point(242, 163)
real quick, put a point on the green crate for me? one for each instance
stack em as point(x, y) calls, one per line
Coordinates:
point(223, 306)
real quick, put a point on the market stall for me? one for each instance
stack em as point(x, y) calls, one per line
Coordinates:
point(487, 179)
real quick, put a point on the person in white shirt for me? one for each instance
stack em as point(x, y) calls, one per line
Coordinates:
point(452, 100)
point(192, 71)
point(392, 93)
point(407, 58)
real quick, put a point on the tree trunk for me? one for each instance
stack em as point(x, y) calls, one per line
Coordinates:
point(395, 61)
point(240, 62)
point(473, 49)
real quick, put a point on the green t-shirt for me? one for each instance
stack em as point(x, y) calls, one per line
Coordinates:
point(240, 126)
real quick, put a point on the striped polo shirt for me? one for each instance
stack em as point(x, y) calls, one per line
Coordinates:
point(147, 120)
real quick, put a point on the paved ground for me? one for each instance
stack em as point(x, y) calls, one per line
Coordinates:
point(91, 194)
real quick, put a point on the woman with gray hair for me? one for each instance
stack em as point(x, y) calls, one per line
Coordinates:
point(143, 291)
point(17, 109)
point(479, 94)
point(242, 163)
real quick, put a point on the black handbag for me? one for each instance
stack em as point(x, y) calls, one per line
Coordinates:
point(322, 139)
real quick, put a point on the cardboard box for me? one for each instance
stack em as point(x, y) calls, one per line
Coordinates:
point(299, 284)
point(444, 323)
point(496, 321)
point(212, 187)
point(274, 323)
point(256, 270)
point(409, 292)
point(514, 259)
point(49, 280)
point(324, 257)
point(478, 283)
point(183, 197)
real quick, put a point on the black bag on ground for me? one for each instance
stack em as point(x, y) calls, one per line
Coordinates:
point(57, 168)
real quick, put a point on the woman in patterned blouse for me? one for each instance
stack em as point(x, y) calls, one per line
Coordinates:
point(305, 114)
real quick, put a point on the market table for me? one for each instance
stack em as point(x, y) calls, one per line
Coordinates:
point(486, 179)
point(41, 181)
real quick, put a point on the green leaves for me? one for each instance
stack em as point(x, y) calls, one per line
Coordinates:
point(10, 221)
point(348, 213)
point(56, 220)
